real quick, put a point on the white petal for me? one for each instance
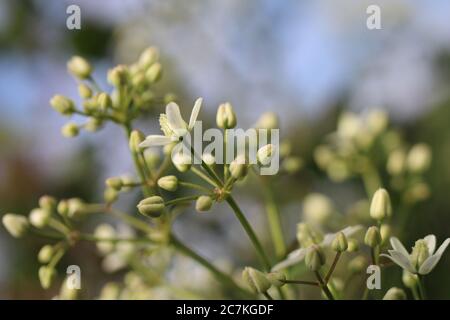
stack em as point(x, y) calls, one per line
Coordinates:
point(431, 243)
point(348, 231)
point(443, 246)
point(174, 118)
point(429, 264)
point(195, 112)
point(400, 259)
point(398, 246)
point(154, 141)
point(294, 257)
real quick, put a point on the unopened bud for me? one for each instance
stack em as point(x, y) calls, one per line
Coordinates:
point(353, 245)
point(265, 154)
point(256, 280)
point(385, 232)
point(380, 206)
point(268, 120)
point(75, 207)
point(340, 243)
point(45, 254)
point(419, 158)
point(114, 182)
point(154, 72)
point(47, 202)
point(182, 161)
point(317, 208)
point(84, 91)
point(70, 130)
point(373, 237)
point(118, 76)
point(203, 203)
point(151, 206)
point(62, 104)
point(396, 162)
point(169, 183)
point(79, 67)
point(136, 137)
point(225, 117)
point(110, 195)
point(39, 217)
point(277, 279)
point(148, 57)
point(16, 225)
point(46, 276)
point(314, 258)
point(104, 100)
point(93, 124)
point(105, 231)
point(63, 208)
point(395, 294)
point(209, 159)
point(409, 280)
point(238, 168)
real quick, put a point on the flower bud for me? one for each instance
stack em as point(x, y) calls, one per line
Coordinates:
point(136, 137)
point(340, 243)
point(154, 72)
point(385, 232)
point(114, 182)
point(317, 208)
point(419, 158)
point(256, 280)
point(104, 100)
point(63, 208)
point(203, 203)
point(118, 76)
point(377, 121)
point(46, 276)
point(357, 264)
point(373, 237)
point(39, 217)
point(353, 245)
point(396, 162)
point(265, 154)
point(409, 280)
point(47, 202)
point(148, 57)
point(181, 161)
point(45, 254)
point(105, 231)
point(93, 124)
point(314, 258)
point(110, 195)
point(169, 183)
point(268, 120)
point(75, 207)
point(84, 91)
point(79, 67)
point(225, 117)
point(209, 159)
point(62, 105)
point(419, 253)
point(16, 225)
point(238, 168)
point(151, 206)
point(276, 278)
point(380, 206)
point(395, 294)
point(70, 130)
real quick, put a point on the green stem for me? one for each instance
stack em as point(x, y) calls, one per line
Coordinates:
point(194, 186)
point(333, 266)
point(249, 230)
point(324, 286)
point(423, 295)
point(182, 199)
point(203, 176)
point(267, 295)
point(310, 283)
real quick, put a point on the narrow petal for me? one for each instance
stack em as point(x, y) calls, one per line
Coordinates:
point(294, 257)
point(174, 118)
point(195, 112)
point(443, 246)
point(155, 141)
point(348, 231)
point(398, 246)
point(400, 259)
point(431, 243)
point(429, 264)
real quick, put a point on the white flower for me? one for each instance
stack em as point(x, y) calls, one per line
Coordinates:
point(173, 125)
point(422, 259)
point(298, 255)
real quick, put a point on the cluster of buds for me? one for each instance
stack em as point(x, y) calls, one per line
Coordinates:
point(260, 282)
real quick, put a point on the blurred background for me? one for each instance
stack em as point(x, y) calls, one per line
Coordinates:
point(305, 60)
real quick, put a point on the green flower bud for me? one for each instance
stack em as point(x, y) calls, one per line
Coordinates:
point(110, 195)
point(39, 217)
point(169, 183)
point(225, 117)
point(395, 294)
point(419, 253)
point(396, 162)
point(340, 243)
point(136, 137)
point(91, 106)
point(357, 264)
point(84, 91)
point(138, 79)
point(148, 57)
point(265, 154)
point(203, 203)
point(152, 158)
point(386, 232)
point(419, 158)
point(238, 168)
point(70, 130)
point(182, 162)
point(47, 202)
point(75, 207)
point(276, 278)
point(63, 208)
point(46, 276)
point(154, 72)
point(93, 124)
point(381, 205)
point(118, 76)
point(268, 120)
point(317, 208)
point(151, 206)
point(256, 280)
point(79, 67)
point(314, 258)
point(409, 280)
point(114, 182)
point(62, 105)
point(209, 159)
point(353, 245)
point(45, 254)
point(16, 225)
point(104, 100)
point(105, 231)
point(373, 237)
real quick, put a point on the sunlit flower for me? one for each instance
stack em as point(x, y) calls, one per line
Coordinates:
point(173, 125)
point(422, 259)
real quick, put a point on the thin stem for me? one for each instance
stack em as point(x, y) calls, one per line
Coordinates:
point(310, 283)
point(93, 238)
point(194, 186)
point(422, 287)
point(203, 176)
point(333, 266)
point(249, 230)
point(324, 286)
point(415, 293)
point(267, 295)
point(182, 199)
